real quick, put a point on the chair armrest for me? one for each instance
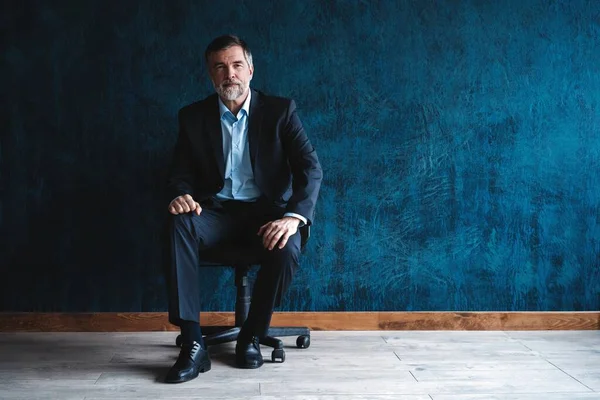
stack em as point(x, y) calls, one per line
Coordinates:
point(304, 235)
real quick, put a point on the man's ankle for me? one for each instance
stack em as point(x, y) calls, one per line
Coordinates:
point(245, 336)
point(191, 332)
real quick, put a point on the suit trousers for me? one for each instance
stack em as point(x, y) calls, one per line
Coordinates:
point(234, 221)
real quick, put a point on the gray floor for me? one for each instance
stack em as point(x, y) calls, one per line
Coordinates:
point(338, 365)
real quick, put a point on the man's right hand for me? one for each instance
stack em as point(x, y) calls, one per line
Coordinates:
point(184, 204)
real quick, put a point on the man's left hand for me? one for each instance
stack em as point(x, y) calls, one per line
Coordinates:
point(279, 230)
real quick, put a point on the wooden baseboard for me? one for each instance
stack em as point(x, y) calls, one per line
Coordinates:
point(367, 321)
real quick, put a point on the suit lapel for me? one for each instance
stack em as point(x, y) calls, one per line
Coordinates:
point(213, 124)
point(254, 123)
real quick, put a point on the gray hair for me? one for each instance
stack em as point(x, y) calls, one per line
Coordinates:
point(225, 42)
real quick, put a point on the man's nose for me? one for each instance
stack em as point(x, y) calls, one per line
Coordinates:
point(230, 73)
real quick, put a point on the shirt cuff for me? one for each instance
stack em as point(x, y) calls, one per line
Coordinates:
point(300, 217)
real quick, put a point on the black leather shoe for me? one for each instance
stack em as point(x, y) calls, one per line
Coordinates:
point(247, 354)
point(192, 360)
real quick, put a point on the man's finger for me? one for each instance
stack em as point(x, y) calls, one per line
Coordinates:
point(275, 239)
point(198, 209)
point(261, 230)
point(190, 203)
point(267, 236)
point(269, 233)
point(265, 241)
point(284, 240)
point(172, 206)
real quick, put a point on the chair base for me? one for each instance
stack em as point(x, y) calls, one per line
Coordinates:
point(224, 334)
point(214, 335)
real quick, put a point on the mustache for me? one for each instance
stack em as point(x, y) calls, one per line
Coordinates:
point(231, 82)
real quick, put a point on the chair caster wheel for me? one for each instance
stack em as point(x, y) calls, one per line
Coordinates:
point(178, 341)
point(303, 342)
point(278, 354)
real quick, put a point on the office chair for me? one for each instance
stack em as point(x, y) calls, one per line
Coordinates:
point(242, 258)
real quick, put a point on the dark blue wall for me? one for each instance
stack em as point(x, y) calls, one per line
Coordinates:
point(459, 139)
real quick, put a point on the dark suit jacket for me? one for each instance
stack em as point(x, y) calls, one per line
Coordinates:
point(285, 164)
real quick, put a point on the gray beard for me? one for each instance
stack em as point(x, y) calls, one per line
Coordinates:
point(231, 92)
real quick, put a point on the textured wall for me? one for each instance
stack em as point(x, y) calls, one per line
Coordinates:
point(459, 139)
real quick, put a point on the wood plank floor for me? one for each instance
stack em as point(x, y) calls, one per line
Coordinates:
point(374, 365)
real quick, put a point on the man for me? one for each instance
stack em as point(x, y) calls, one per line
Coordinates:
point(243, 169)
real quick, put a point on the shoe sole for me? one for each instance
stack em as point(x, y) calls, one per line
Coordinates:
point(249, 366)
point(202, 369)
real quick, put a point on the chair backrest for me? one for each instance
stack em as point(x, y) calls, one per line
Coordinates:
point(235, 255)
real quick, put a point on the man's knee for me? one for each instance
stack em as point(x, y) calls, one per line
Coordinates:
point(180, 221)
point(180, 224)
point(288, 256)
point(206, 229)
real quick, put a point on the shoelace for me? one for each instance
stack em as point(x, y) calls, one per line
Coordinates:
point(195, 348)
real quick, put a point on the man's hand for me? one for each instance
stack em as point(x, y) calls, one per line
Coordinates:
point(184, 204)
point(279, 230)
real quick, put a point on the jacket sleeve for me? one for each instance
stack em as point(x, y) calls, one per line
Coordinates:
point(180, 178)
point(304, 164)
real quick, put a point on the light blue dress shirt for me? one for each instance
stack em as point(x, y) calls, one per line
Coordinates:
point(239, 177)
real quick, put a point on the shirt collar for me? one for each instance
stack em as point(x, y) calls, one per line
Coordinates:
point(246, 106)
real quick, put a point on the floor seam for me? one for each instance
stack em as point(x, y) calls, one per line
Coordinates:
point(413, 375)
point(569, 375)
